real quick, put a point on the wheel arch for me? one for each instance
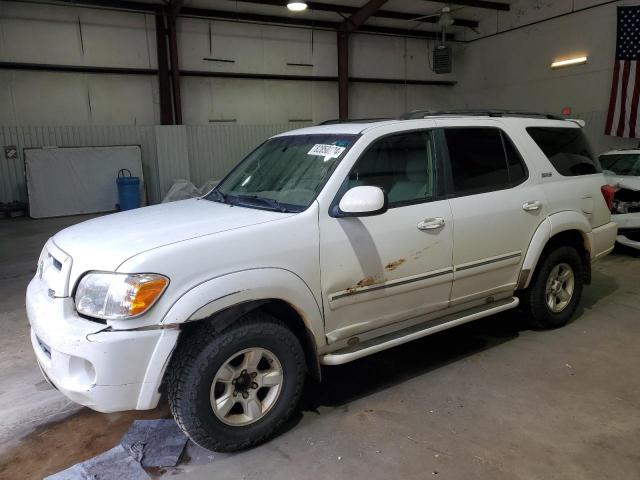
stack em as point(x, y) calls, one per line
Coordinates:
point(563, 228)
point(280, 293)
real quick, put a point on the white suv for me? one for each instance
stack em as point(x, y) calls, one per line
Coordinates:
point(325, 245)
point(622, 171)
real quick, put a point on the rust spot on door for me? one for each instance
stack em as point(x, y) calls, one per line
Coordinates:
point(391, 266)
point(366, 282)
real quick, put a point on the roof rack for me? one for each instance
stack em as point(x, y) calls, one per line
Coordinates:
point(354, 120)
point(415, 114)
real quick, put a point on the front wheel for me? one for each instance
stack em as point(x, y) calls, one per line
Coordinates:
point(555, 291)
point(234, 389)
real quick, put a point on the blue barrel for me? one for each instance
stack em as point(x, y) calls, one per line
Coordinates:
point(128, 190)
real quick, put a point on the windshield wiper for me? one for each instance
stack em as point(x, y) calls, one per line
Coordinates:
point(269, 202)
point(218, 196)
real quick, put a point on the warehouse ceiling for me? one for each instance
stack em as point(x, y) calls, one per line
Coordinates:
point(398, 14)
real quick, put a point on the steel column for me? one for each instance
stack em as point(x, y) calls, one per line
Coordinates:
point(164, 85)
point(175, 70)
point(343, 74)
point(348, 26)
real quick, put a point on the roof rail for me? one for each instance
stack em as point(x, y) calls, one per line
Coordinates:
point(415, 114)
point(354, 120)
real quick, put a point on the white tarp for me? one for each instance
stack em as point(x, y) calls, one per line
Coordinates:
point(71, 181)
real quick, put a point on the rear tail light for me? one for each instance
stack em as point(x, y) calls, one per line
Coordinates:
point(608, 192)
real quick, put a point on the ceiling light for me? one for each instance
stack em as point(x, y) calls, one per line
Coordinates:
point(570, 61)
point(296, 6)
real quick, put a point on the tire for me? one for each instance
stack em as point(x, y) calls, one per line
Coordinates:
point(204, 355)
point(535, 299)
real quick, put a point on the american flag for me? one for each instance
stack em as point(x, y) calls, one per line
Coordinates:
point(622, 119)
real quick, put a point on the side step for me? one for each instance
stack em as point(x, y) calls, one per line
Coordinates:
point(393, 339)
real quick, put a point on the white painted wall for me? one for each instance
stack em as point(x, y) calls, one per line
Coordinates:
point(79, 36)
point(512, 70)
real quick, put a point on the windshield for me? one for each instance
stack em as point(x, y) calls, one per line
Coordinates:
point(284, 173)
point(622, 164)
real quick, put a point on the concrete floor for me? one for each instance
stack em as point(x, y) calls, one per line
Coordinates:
point(488, 400)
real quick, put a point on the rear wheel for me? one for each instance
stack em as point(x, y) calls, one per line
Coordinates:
point(234, 389)
point(556, 288)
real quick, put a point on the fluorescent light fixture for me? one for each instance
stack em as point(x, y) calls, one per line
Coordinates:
point(296, 6)
point(569, 61)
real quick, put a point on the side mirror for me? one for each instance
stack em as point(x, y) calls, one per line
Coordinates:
point(362, 202)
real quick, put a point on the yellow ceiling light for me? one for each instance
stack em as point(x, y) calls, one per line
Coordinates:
point(569, 62)
point(296, 6)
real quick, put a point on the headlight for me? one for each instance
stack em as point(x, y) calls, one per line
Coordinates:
point(113, 296)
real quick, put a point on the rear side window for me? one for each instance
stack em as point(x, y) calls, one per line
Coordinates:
point(517, 170)
point(482, 159)
point(567, 149)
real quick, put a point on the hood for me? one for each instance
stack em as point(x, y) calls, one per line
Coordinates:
point(622, 181)
point(104, 243)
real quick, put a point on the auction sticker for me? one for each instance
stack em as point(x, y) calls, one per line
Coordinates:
point(327, 151)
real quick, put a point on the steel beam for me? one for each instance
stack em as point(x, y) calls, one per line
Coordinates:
point(132, 6)
point(175, 64)
point(505, 7)
point(45, 67)
point(349, 10)
point(348, 26)
point(343, 74)
point(164, 85)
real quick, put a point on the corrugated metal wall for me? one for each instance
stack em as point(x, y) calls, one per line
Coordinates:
point(198, 153)
point(214, 150)
point(12, 184)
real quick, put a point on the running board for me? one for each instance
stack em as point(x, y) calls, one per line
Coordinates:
point(393, 339)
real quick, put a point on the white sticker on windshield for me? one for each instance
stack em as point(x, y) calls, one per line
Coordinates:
point(326, 151)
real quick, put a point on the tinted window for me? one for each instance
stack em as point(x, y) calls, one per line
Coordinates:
point(517, 170)
point(402, 165)
point(621, 164)
point(567, 149)
point(477, 160)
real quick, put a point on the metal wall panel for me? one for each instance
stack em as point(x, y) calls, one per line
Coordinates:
point(172, 154)
point(197, 153)
point(215, 149)
point(594, 130)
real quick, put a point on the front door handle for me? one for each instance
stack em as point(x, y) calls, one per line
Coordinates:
point(532, 206)
point(431, 224)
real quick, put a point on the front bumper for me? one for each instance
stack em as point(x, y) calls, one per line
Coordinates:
point(628, 229)
point(89, 363)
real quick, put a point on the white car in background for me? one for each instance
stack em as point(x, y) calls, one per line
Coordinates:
point(622, 170)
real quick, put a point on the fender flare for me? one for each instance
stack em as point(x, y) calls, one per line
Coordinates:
point(217, 294)
point(220, 293)
point(551, 226)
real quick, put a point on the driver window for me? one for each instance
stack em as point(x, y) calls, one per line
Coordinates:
point(402, 165)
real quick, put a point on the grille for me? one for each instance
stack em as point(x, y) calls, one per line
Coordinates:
point(442, 59)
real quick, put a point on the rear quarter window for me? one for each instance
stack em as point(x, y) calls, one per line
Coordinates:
point(567, 149)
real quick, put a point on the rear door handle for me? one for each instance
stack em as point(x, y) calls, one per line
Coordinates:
point(431, 224)
point(531, 206)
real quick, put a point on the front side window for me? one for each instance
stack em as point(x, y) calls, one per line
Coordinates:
point(402, 165)
point(284, 173)
point(621, 164)
point(567, 149)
